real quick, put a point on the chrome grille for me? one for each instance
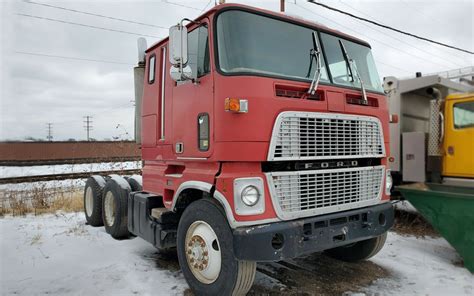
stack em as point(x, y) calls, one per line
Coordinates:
point(311, 135)
point(306, 193)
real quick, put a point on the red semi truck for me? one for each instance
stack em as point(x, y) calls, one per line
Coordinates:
point(264, 137)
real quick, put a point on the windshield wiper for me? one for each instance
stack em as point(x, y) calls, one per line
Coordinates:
point(352, 67)
point(314, 54)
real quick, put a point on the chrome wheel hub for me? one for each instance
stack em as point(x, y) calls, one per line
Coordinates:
point(203, 252)
point(109, 209)
point(89, 201)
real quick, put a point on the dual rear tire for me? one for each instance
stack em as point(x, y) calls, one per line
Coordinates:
point(106, 203)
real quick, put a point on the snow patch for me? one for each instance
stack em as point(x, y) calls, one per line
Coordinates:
point(60, 255)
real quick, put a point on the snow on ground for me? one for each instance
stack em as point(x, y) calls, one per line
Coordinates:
point(421, 267)
point(60, 255)
point(21, 171)
point(67, 185)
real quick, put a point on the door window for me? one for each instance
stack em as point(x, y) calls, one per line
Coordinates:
point(198, 51)
point(464, 114)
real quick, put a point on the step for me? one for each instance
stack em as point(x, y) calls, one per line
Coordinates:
point(164, 216)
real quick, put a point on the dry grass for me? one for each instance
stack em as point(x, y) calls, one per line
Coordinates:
point(407, 223)
point(41, 200)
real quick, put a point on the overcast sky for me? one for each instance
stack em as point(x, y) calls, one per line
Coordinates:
point(36, 90)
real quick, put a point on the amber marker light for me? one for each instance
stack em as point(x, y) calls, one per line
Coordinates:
point(236, 105)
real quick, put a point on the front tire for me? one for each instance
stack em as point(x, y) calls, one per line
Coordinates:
point(115, 208)
point(205, 252)
point(362, 250)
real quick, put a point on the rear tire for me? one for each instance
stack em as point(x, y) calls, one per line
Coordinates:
point(134, 183)
point(362, 250)
point(93, 200)
point(115, 209)
point(205, 252)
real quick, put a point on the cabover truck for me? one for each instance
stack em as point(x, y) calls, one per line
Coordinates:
point(263, 137)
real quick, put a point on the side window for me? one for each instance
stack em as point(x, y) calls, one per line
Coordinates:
point(151, 69)
point(198, 51)
point(464, 114)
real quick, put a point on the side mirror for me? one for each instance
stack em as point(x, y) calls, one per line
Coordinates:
point(178, 55)
point(178, 45)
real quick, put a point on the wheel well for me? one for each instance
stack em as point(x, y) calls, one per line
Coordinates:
point(187, 196)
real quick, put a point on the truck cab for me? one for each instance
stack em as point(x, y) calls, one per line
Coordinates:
point(264, 137)
point(458, 138)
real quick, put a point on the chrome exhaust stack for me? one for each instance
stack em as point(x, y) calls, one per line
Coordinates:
point(139, 76)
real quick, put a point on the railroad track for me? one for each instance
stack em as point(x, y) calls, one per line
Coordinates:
point(68, 176)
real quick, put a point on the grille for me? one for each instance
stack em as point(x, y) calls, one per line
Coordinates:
point(303, 136)
point(298, 194)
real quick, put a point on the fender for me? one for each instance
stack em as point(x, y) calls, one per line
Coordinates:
point(207, 187)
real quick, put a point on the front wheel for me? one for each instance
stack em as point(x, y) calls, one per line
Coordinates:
point(358, 251)
point(205, 252)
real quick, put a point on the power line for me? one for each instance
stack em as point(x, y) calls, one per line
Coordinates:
point(396, 38)
point(372, 38)
point(71, 58)
point(181, 5)
point(94, 14)
point(206, 6)
point(88, 125)
point(388, 27)
point(87, 26)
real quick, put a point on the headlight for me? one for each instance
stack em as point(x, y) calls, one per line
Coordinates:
point(250, 195)
point(388, 182)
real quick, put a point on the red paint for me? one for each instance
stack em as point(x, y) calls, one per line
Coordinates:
point(239, 142)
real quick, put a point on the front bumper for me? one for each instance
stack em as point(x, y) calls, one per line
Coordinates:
point(290, 239)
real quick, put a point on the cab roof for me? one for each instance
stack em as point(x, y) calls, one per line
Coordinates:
point(457, 96)
point(281, 16)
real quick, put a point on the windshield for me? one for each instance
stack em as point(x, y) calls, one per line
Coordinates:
point(362, 57)
point(253, 44)
point(249, 43)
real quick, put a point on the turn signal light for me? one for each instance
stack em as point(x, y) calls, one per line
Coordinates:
point(393, 118)
point(236, 105)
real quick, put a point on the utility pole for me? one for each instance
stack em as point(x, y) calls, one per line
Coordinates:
point(282, 5)
point(49, 127)
point(88, 125)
